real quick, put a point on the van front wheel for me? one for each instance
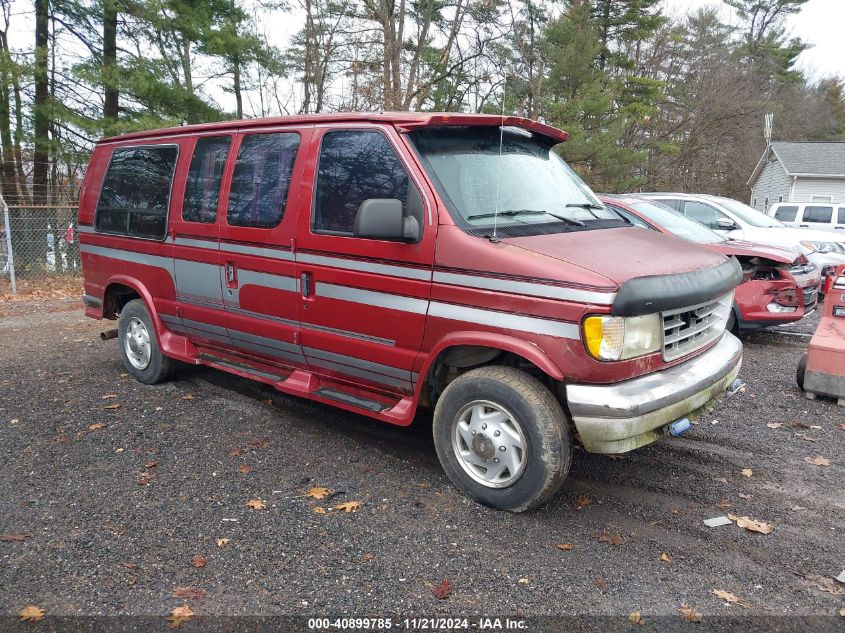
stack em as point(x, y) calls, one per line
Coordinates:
point(502, 438)
point(139, 347)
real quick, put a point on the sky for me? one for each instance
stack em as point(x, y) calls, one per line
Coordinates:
point(819, 23)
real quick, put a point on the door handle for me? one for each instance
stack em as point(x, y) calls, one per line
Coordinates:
point(305, 284)
point(231, 275)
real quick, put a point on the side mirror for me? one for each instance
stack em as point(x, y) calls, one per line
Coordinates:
point(382, 219)
point(726, 224)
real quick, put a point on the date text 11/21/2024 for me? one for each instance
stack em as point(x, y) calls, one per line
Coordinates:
point(419, 624)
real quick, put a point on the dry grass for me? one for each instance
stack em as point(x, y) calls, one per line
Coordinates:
point(54, 287)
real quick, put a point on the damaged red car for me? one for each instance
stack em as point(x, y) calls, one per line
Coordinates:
point(778, 286)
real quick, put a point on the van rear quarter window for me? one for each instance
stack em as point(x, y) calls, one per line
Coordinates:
point(786, 214)
point(261, 180)
point(135, 194)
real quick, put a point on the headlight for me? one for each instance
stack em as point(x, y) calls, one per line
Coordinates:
point(618, 338)
point(824, 247)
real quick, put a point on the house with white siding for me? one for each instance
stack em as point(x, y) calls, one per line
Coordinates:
point(812, 171)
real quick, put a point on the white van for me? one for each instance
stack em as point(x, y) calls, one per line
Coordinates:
point(811, 215)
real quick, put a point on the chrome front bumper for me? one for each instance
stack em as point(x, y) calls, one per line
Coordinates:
point(623, 416)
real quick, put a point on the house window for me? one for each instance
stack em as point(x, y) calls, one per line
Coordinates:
point(780, 198)
point(766, 204)
point(754, 201)
point(821, 198)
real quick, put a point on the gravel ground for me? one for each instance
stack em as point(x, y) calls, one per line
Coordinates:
point(120, 501)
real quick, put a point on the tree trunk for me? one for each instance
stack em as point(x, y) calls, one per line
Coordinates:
point(8, 182)
point(236, 80)
point(41, 122)
point(111, 92)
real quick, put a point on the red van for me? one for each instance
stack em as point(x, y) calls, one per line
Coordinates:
point(382, 262)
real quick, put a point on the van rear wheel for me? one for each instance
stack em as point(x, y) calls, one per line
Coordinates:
point(139, 348)
point(502, 438)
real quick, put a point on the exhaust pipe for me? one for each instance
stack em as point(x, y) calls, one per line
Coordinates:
point(108, 335)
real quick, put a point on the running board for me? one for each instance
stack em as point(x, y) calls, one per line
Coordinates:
point(361, 403)
point(239, 368)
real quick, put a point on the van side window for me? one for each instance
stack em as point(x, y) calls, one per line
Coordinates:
point(786, 214)
point(202, 191)
point(261, 180)
point(355, 166)
point(136, 191)
point(841, 215)
point(821, 215)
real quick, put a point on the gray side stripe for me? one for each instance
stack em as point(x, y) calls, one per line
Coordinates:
point(367, 267)
point(361, 373)
point(130, 256)
point(256, 250)
point(266, 317)
point(369, 297)
point(264, 341)
point(357, 362)
point(84, 229)
point(504, 320)
point(272, 351)
point(526, 288)
point(252, 277)
point(195, 243)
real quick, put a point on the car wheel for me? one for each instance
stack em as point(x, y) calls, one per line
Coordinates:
point(732, 326)
point(139, 346)
point(802, 369)
point(502, 438)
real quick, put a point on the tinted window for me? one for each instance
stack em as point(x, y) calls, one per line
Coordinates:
point(355, 166)
point(136, 191)
point(786, 214)
point(202, 191)
point(261, 180)
point(818, 214)
point(841, 215)
point(702, 213)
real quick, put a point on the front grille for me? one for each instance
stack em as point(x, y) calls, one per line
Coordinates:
point(686, 330)
point(811, 297)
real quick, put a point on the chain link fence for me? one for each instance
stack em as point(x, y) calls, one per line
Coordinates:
point(37, 243)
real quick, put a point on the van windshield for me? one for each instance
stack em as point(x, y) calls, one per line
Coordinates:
point(749, 214)
point(510, 178)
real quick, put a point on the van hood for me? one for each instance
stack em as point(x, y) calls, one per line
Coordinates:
point(621, 254)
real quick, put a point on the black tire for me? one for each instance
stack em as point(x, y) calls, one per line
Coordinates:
point(543, 422)
point(160, 367)
point(802, 369)
point(732, 325)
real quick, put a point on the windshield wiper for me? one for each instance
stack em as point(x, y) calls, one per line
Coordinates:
point(512, 213)
point(586, 205)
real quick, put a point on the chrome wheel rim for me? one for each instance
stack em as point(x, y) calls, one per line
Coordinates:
point(489, 444)
point(136, 343)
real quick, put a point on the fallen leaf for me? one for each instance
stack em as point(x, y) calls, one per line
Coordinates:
point(443, 590)
point(665, 558)
point(842, 611)
point(368, 556)
point(198, 560)
point(318, 493)
point(109, 396)
point(841, 426)
point(189, 593)
point(606, 537)
point(815, 426)
point(600, 583)
point(268, 401)
point(689, 613)
point(22, 536)
point(256, 504)
point(805, 437)
point(751, 525)
point(565, 546)
point(800, 425)
point(729, 597)
point(236, 452)
point(146, 479)
point(775, 425)
point(823, 583)
point(116, 405)
point(320, 510)
point(260, 442)
point(159, 408)
point(31, 613)
point(244, 469)
point(724, 503)
point(583, 502)
point(152, 464)
point(222, 542)
point(188, 396)
point(349, 506)
point(747, 472)
point(818, 460)
point(523, 581)
point(636, 618)
point(742, 495)
point(179, 615)
point(94, 427)
point(128, 565)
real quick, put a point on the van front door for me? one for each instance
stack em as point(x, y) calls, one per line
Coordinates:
point(363, 302)
point(257, 272)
